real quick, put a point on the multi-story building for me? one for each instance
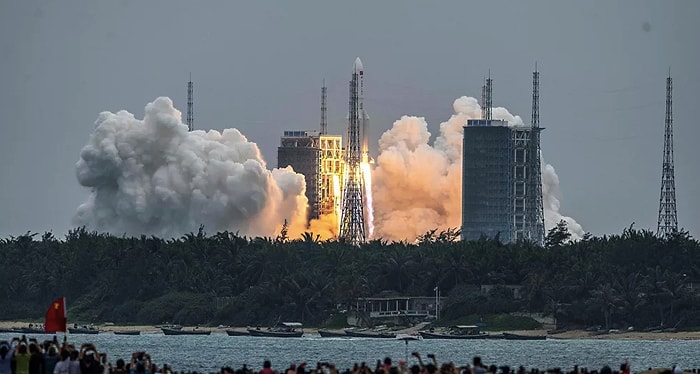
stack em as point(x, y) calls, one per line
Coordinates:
point(500, 184)
point(320, 159)
point(301, 150)
point(331, 174)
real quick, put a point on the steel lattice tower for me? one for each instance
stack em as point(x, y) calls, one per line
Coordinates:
point(538, 231)
point(324, 109)
point(668, 220)
point(352, 221)
point(190, 111)
point(488, 96)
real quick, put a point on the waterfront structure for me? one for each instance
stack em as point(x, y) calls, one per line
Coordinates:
point(501, 176)
point(668, 219)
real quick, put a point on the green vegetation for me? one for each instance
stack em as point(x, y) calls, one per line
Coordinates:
point(632, 279)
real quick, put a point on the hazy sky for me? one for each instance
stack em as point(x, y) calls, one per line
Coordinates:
point(258, 66)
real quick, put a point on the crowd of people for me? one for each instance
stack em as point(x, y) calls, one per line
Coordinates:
point(28, 356)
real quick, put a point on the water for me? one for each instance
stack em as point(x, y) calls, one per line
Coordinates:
point(209, 353)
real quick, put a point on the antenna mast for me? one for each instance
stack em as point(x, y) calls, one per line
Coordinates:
point(190, 111)
point(668, 219)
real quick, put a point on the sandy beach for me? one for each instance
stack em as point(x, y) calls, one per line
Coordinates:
point(571, 334)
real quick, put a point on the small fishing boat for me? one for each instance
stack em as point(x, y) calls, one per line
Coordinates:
point(14, 330)
point(128, 332)
point(83, 330)
point(237, 333)
point(332, 334)
point(457, 332)
point(281, 330)
point(167, 331)
point(510, 336)
point(369, 334)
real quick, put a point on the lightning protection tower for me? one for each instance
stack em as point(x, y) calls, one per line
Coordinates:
point(190, 112)
point(352, 220)
point(324, 109)
point(536, 221)
point(668, 220)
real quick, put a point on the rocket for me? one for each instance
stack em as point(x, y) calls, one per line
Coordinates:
point(362, 116)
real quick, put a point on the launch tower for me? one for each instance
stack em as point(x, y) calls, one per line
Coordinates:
point(352, 221)
point(668, 220)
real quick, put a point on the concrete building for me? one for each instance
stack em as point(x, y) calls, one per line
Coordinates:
point(500, 182)
point(301, 150)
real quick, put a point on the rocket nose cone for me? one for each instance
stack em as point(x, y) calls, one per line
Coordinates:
point(357, 67)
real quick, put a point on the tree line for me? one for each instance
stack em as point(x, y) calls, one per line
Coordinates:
point(615, 281)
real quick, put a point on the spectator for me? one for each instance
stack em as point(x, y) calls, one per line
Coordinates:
point(50, 359)
point(6, 355)
point(63, 366)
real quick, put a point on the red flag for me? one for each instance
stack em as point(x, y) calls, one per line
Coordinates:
point(56, 316)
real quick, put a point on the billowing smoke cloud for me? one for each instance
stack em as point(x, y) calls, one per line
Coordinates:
point(152, 176)
point(417, 187)
point(550, 201)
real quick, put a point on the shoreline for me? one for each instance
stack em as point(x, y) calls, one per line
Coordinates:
point(564, 335)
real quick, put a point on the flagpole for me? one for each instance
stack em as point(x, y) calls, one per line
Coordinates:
point(65, 313)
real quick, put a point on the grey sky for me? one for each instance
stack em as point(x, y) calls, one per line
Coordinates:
point(258, 66)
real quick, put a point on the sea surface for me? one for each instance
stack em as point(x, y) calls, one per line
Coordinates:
point(208, 353)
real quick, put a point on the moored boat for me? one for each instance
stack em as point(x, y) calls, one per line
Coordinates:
point(430, 335)
point(32, 330)
point(83, 330)
point(281, 330)
point(128, 332)
point(12, 330)
point(237, 333)
point(332, 334)
point(370, 334)
point(168, 331)
point(510, 336)
point(458, 332)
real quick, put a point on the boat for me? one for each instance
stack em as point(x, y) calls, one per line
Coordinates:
point(369, 334)
point(128, 332)
point(237, 333)
point(83, 330)
point(332, 334)
point(510, 336)
point(457, 332)
point(281, 330)
point(430, 335)
point(168, 331)
point(29, 330)
point(13, 330)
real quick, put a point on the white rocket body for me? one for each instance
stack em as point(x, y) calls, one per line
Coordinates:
point(362, 116)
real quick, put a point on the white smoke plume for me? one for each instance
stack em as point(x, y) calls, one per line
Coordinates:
point(153, 177)
point(417, 187)
point(550, 201)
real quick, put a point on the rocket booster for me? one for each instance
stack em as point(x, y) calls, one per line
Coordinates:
point(362, 115)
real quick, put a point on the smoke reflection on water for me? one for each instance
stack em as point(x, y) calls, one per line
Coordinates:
point(210, 353)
